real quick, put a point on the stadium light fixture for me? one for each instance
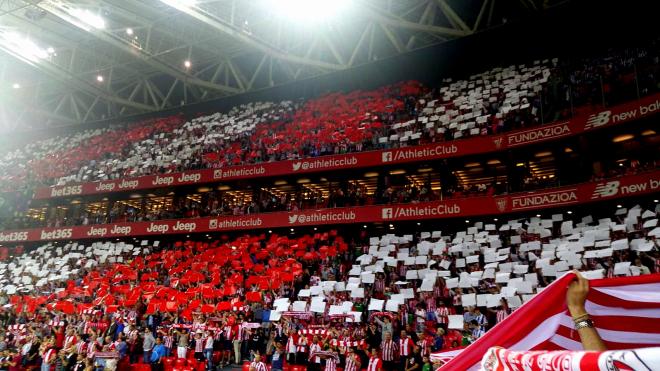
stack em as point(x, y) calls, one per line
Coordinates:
point(99, 78)
point(307, 11)
point(129, 31)
point(180, 4)
point(22, 46)
point(187, 64)
point(16, 85)
point(89, 18)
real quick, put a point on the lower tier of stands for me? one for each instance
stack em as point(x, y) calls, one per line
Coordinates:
point(324, 294)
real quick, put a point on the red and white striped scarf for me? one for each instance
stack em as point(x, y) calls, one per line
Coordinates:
point(258, 366)
point(622, 309)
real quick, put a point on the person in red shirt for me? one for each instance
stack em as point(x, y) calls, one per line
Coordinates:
point(59, 337)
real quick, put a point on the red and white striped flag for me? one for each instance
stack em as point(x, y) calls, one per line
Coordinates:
point(625, 311)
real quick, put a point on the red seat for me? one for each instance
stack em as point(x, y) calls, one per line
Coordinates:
point(168, 363)
point(246, 366)
point(216, 356)
point(180, 362)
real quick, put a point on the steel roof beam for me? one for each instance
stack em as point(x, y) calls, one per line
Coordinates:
point(140, 53)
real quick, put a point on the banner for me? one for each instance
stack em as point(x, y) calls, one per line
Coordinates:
point(476, 145)
point(622, 310)
point(634, 185)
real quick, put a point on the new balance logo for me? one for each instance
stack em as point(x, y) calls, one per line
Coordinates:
point(597, 120)
point(386, 156)
point(217, 174)
point(296, 166)
point(606, 189)
point(293, 218)
point(387, 213)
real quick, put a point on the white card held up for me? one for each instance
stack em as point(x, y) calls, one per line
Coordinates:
point(469, 300)
point(455, 322)
point(622, 268)
point(357, 293)
point(376, 304)
point(392, 305)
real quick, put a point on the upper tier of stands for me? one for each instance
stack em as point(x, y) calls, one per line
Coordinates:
point(402, 114)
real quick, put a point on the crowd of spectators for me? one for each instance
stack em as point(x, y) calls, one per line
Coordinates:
point(317, 300)
point(402, 114)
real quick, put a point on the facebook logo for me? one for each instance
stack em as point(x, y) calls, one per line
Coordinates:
point(386, 156)
point(387, 213)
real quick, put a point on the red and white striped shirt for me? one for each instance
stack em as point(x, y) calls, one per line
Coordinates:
point(375, 364)
point(425, 345)
point(331, 364)
point(91, 349)
point(49, 355)
point(258, 366)
point(291, 344)
point(430, 304)
point(229, 334)
point(379, 285)
point(388, 348)
point(199, 345)
point(314, 348)
point(442, 315)
point(501, 315)
point(405, 347)
point(81, 347)
point(351, 365)
point(168, 341)
point(69, 341)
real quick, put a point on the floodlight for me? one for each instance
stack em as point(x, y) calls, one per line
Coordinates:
point(22, 46)
point(129, 31)
point(88, 18)
point(180, 4)
point(50, 50)
point(16, 85)
point(99, 78)
point(307, 11)
point(187, 64)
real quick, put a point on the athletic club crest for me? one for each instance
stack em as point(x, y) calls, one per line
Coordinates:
point(501, 204)
point(498, 142)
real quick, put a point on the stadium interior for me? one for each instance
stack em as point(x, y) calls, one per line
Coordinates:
point(328, 185)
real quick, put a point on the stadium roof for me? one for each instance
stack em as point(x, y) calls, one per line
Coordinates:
point(71, 62)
